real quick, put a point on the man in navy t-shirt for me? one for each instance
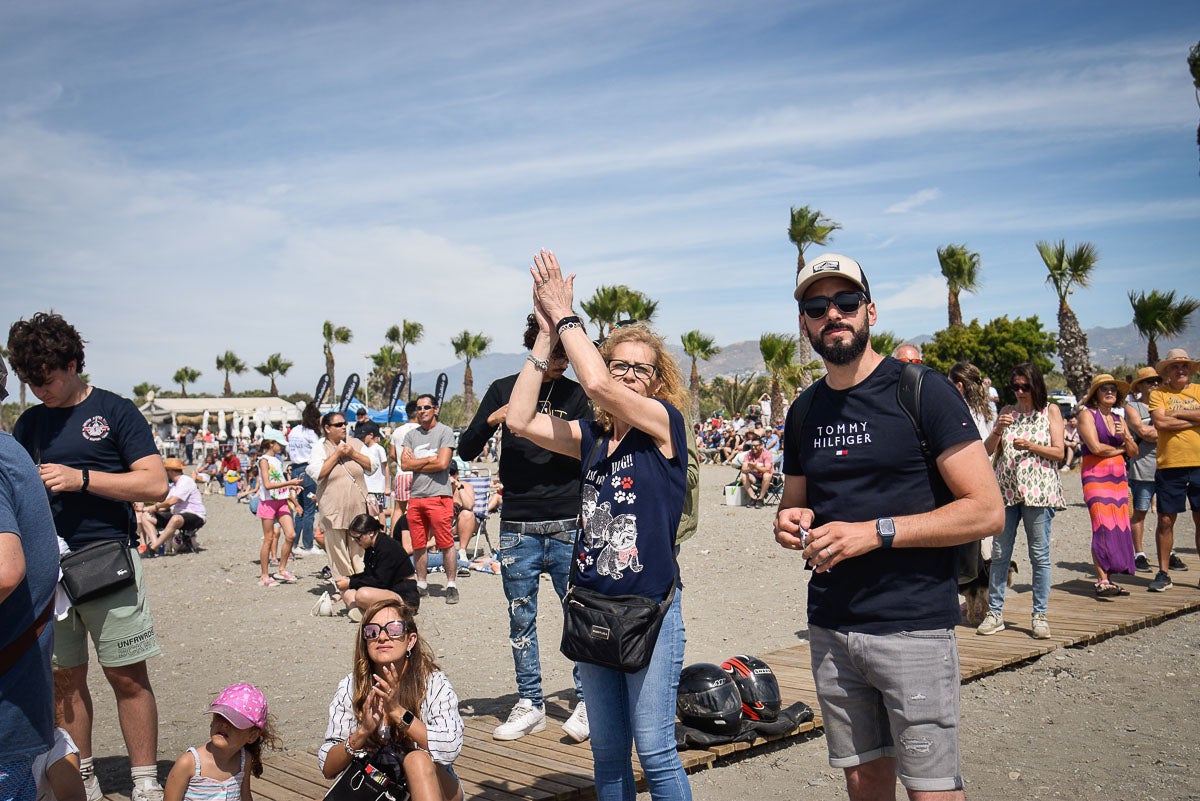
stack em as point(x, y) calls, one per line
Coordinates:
point(876, 524)
point(28, 575)
point(95, 455)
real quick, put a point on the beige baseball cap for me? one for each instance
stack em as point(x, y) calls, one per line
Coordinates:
point(829, 265)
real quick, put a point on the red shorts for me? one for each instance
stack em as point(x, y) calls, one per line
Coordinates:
point(427, 515)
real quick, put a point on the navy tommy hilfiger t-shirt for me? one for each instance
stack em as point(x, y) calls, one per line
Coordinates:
point(104, 433)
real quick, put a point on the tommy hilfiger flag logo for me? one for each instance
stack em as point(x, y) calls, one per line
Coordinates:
point(842, 452)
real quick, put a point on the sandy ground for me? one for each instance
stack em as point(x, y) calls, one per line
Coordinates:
point(1116, 720)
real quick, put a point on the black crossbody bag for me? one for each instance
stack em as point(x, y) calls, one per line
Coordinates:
point(97, 570)
point(376, 777)
point(613, 631)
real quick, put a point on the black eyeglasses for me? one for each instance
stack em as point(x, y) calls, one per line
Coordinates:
point(424, 408)
point(645, 372)
point(847, 302)
point(394, 629)
point(1019, 387)
point(337, 425)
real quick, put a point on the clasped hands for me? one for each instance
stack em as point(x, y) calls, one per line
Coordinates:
point(824, 546)
point(383, 702)
point(553, 295)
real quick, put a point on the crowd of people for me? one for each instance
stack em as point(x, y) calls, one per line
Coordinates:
point(599, 480)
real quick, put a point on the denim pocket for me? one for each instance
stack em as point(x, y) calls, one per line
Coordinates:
point(508, 540)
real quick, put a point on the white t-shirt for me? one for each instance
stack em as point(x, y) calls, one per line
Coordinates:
point(185, 489)
point(375, 481)
point(300, 441)
point(398, 442)
point(275, 471)
point(63, 745)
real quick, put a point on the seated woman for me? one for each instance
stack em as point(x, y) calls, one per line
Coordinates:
point(396, 693)
point(387, 574)
point(1070, 440)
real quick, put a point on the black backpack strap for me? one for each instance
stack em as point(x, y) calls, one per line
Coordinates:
point(908, 395)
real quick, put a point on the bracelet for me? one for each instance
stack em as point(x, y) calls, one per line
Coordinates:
point(87, 479)
point(541, 364)
point(567, 323)
point(355, 753)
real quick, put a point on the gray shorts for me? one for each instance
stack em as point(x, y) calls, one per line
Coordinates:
point(877, 690)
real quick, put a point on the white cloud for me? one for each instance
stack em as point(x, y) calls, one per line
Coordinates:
point(913, 201)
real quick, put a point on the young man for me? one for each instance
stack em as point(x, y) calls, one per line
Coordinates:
point(859, 503)
point(96, 456)
point(426, 451)
point(538, 524)
point(1175, 410)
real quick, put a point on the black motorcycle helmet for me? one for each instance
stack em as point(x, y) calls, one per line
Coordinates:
point(757, 685)
point(708, 699)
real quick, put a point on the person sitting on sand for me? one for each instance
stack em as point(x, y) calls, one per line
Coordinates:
point(388, 571)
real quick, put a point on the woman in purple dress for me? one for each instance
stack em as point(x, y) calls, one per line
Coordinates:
point(1105, 442)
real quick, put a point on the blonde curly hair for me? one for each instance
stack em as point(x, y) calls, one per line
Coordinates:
point(671, 387)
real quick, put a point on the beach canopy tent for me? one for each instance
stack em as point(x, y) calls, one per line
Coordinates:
point(193, 411)
point(377, 416)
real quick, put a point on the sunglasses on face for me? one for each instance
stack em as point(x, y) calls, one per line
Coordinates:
point(1108, 388)
point(394, 629)
point(847, 303)
point(358, 535)
point(619, 369)
point(1015, 387)
point(338, 425)
point(424, 408)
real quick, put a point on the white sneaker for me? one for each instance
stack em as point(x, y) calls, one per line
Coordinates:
point(991, 624)
point(525, 718)
point(152, 792)
point(576, 726)
point(92, 785)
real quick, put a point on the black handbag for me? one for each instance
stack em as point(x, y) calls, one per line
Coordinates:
point(613, 631)
point(96, 570)
point(377, 777)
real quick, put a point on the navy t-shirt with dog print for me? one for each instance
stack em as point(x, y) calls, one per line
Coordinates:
point(632, 502)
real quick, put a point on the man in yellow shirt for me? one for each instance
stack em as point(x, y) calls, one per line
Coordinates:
point(1175, 412)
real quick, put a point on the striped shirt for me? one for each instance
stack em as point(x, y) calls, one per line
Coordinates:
point(203, 788)
point(439, 713)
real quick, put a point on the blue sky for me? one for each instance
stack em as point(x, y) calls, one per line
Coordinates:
point(179, 179)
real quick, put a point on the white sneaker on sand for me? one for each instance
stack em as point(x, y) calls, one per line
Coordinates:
point(576, 726)
point(525, 718)
point(92, 785)
point(152, 792)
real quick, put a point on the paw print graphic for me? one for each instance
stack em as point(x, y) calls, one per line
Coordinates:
point(621, 496)
point(627, 482)
point(616, 481)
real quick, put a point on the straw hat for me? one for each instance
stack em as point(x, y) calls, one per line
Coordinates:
point(1174, 356)
point(1144, 374)
point(1101, 380)
point(173, 464)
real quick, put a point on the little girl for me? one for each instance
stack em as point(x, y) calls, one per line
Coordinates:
point(275, 490)
point(216, 771)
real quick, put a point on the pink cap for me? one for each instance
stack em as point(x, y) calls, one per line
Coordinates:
point(243, 705)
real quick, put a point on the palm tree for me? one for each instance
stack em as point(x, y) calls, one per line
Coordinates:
point(807, 227)
point(1068, 270)
point(184, 376)
point(736, 394)
point(387, 367)
point(140, 391)
point(698, 346)
point(778, 354)
point(273, 366)
point(403, 335)
point(230, 363)
point(4, 354)
point(885, 342)
point(1160, 315)
point(961, 269)
point(468, 346)
point(637, 305)
point(604, 306)
point(334, 335)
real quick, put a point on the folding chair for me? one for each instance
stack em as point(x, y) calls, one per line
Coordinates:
point(481, 481)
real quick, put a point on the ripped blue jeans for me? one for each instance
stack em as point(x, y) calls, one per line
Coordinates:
point(523, 559)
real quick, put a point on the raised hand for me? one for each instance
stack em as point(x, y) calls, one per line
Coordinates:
point(551, 291)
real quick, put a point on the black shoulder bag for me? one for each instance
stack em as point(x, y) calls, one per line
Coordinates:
point(613, 631)
point(376, 777)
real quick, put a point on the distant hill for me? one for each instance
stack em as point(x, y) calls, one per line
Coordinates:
point(1110, 347)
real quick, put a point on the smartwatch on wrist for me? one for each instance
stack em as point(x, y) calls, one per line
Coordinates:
point(886, 529)
point(407, 718)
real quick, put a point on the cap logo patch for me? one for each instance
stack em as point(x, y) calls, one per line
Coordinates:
point(822, 266)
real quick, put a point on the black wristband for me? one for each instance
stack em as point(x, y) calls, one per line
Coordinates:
point(87, 479)
point(568, 322)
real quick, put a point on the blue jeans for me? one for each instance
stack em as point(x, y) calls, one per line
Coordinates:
point(308, 507)
point(1037, 521)
point(639, 707)
point(523, 559)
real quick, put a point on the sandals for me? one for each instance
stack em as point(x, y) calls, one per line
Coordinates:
point(1106, 589)
point(285, 577)
point(268, 582)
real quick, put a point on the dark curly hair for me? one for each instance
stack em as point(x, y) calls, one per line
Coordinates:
point(530, 336)
point(43, 344)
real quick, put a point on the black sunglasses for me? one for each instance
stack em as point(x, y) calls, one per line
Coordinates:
point(847, 302)
point(337, 425)
point(394, 629)
point(1019, 387)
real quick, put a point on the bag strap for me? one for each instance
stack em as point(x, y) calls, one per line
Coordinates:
point(12, 653)
point(354, 480)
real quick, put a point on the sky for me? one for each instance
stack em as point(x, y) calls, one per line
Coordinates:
point(178, 179)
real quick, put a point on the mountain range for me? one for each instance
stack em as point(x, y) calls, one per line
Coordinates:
point(1110, 348)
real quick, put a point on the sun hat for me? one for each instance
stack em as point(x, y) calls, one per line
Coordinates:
point(243, 705)
point(831, 265)
point(1174, 356)
point(271, 435)
point(1144, 374)
point(1101, 380)
point(173, 464)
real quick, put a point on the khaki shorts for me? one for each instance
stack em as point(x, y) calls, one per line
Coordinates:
point(119, 624)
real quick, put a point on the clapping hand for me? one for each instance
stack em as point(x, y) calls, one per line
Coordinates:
point(552, 294)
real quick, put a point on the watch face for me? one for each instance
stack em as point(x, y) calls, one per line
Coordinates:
point(887, 528)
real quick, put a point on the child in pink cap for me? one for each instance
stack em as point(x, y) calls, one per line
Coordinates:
point(216, 771)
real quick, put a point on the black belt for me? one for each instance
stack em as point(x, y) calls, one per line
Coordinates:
point(540, 526)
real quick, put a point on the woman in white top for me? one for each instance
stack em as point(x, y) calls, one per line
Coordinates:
point(396, 694)
point(300, 442)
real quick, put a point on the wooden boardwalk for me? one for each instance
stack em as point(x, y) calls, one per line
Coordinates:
point(547, 765)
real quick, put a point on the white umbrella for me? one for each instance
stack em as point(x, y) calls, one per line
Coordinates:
point(222, 435)
point(260, 420)
point(204, 422)
point(174, 427)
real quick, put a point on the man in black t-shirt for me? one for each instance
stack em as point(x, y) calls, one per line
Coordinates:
point(876, 523)
point(538, 524)
point(95, 455)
